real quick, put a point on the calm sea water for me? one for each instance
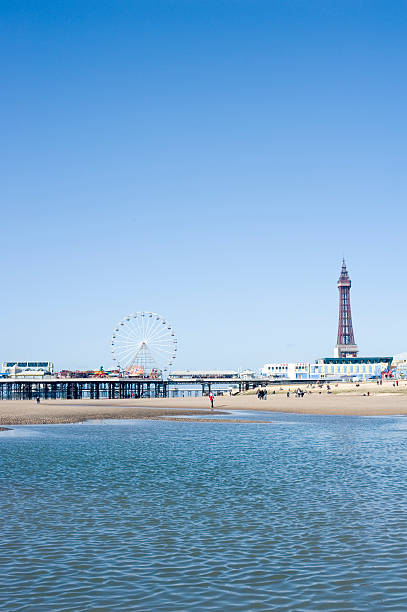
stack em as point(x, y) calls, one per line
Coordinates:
point(307, 514)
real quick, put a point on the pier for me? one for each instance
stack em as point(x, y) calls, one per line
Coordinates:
point(118, 388)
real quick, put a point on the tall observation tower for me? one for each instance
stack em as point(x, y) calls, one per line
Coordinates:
point(345, 344)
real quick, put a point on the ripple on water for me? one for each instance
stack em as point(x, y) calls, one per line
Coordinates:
point(186, 516)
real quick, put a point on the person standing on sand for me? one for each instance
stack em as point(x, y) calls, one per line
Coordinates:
point(211, 399)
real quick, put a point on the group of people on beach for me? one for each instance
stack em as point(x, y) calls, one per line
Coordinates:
point(297, 392)
point(262, 394)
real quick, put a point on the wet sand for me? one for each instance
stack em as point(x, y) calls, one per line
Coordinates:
point(344, 400)
point(64, 411)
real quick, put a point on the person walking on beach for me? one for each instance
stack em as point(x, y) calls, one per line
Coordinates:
point(211, 399)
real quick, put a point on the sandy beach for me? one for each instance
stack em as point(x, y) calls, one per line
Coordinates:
point(344, 399)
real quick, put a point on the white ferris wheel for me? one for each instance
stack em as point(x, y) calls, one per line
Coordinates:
point(144, 345)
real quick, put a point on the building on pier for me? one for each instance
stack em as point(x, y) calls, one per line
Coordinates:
point(200, 374)
point(28, 369)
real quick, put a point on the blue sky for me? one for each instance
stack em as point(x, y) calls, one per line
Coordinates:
point(208, 160)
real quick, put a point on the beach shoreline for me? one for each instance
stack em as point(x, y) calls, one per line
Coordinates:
point(345, 400)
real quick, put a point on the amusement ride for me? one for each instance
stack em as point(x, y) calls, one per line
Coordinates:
point(144, 345)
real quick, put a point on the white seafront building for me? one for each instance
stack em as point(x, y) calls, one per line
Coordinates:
point(399, 365)
point(329, 368)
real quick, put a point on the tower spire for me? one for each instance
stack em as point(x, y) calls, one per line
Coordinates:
point(345, 343)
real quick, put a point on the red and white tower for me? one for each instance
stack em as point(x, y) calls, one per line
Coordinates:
point(345, 344)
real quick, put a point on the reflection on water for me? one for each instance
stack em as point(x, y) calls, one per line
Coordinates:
point(155, 515)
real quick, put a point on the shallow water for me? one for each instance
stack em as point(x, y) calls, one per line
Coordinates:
point(305, 514)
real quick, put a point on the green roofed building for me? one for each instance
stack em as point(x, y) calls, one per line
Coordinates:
point(349, 367)
point(329, 368)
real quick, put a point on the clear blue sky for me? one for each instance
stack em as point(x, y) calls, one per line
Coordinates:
point(208, 160)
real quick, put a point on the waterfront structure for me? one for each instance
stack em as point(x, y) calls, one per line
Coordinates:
point(211, 374)
point(329, 368)
point(117, 387)
point(27, 369)
point(349, 368)
point(292, 371)
point(399, 366)
point(345, 343)
point(144, 344)
point(199, 374)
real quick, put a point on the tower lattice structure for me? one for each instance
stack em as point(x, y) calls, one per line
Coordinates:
point(345, 343)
